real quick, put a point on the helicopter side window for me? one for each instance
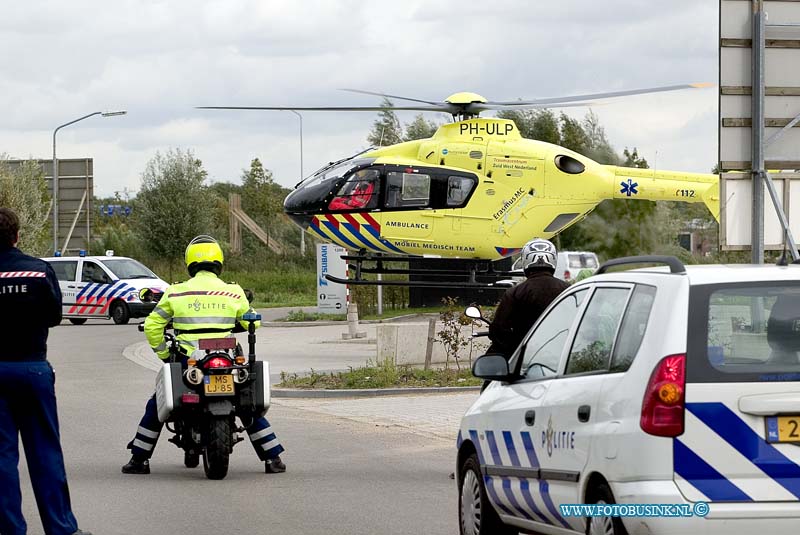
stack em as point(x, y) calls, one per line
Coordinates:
point(458, 189)
point(407, 189)
point(358, 192)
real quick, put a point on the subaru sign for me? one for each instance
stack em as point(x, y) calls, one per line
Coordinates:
point(331, 297)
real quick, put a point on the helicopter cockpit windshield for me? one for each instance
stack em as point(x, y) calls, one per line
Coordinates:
point(335, 170)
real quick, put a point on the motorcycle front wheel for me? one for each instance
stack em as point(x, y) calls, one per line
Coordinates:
point(217, 451)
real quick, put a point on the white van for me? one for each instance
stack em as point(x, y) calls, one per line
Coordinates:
point(568, 265)
point(104, 287)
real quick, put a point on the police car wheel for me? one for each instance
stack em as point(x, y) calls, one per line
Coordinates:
point(603, 525)
point(120, 313)
point(77, 321)
point(475, 514)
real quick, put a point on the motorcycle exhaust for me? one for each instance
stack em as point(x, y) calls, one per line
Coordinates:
point(194, 376)
point(241, 376)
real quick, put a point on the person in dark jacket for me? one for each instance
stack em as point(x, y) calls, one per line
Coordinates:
point(30, 303)
point(522, 305)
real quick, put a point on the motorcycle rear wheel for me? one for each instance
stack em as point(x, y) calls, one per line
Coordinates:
point(217, 453)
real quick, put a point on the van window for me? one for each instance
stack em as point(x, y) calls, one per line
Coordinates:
point(126, 268)
point(631, 333)
point(65, 269)
point(584, 260)
point(543, 349)
point(591, 350)
point(744, 332)
point(92, 272)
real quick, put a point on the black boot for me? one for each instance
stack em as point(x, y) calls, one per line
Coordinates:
point(137, 466)
point(81, 532)
point(274, 466)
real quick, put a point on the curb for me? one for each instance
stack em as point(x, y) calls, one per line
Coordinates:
point(370, 392)
point(326, 323)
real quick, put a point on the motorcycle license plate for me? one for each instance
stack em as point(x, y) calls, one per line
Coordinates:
point(218, 385)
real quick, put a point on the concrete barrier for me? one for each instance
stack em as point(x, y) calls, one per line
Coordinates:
point(406, 343)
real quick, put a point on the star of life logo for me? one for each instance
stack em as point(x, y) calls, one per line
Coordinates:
point(629, 187)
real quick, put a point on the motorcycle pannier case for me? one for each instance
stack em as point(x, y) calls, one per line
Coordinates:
point(169, 389)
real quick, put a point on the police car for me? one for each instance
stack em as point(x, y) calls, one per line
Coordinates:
point(665, 385)
point(105, 286)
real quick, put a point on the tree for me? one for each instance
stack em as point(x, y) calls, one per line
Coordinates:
point(420, 128)
point(632, 159)
point(599, 149)
point(573, 136)
point(173, 205)
point(535, 124)
point(262, 198)
point(25, 191)
point(386, 129)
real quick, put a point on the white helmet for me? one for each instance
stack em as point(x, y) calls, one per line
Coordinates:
point(539, 253)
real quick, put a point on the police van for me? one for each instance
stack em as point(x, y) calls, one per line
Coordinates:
point(569, 264)
point(675, 386)
point(105, 287)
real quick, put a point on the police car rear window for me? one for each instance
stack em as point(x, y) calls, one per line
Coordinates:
point(744, 333)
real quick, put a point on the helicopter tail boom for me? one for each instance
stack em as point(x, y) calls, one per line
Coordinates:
point(652, 185)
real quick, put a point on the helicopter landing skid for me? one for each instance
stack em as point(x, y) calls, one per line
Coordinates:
point(455, 278)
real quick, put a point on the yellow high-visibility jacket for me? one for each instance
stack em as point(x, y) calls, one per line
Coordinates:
point(203, 302)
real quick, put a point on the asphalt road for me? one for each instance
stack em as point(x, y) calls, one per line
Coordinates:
point(343, 477)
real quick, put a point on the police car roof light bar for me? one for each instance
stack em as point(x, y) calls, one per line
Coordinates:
point(675, 265)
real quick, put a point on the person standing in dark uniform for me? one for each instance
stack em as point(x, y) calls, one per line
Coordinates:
point(30, 303)
point(522, 305)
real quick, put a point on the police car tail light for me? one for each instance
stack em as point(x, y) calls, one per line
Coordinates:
point(218, 362)
point(663, 404)
point(567, 275)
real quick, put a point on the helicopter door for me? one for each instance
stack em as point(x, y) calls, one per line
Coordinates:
point(407, 205)
point(459, 188)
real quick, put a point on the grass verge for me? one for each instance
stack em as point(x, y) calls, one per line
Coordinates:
point(381, 375)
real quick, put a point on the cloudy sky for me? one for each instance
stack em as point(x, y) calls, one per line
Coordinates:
point(159, 59)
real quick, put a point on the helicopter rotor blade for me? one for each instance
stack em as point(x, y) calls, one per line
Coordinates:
point(543, 102)
point(373, 93)
point(439, 107)
point(480, 106)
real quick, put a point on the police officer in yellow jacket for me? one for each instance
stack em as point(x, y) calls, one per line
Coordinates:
point(202, 307)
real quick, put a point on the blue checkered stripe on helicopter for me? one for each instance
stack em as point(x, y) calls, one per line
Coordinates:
point(516, 496)
point(727, 459)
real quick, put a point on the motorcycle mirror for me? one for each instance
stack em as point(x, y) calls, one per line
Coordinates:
point(249, 295)
point(473, 312)
point(140, 327)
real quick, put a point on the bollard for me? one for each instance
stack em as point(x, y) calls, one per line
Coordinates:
point(431, 340)
point(352, 324)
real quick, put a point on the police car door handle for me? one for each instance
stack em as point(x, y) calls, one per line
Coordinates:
point(530, 417)
point(584, 411)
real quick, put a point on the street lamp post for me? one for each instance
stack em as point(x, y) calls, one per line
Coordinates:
point(302, 231)
point(55, 168)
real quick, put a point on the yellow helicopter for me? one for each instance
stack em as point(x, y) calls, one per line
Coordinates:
point(476, 190)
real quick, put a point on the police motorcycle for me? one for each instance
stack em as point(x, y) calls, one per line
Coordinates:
point(199, 396)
